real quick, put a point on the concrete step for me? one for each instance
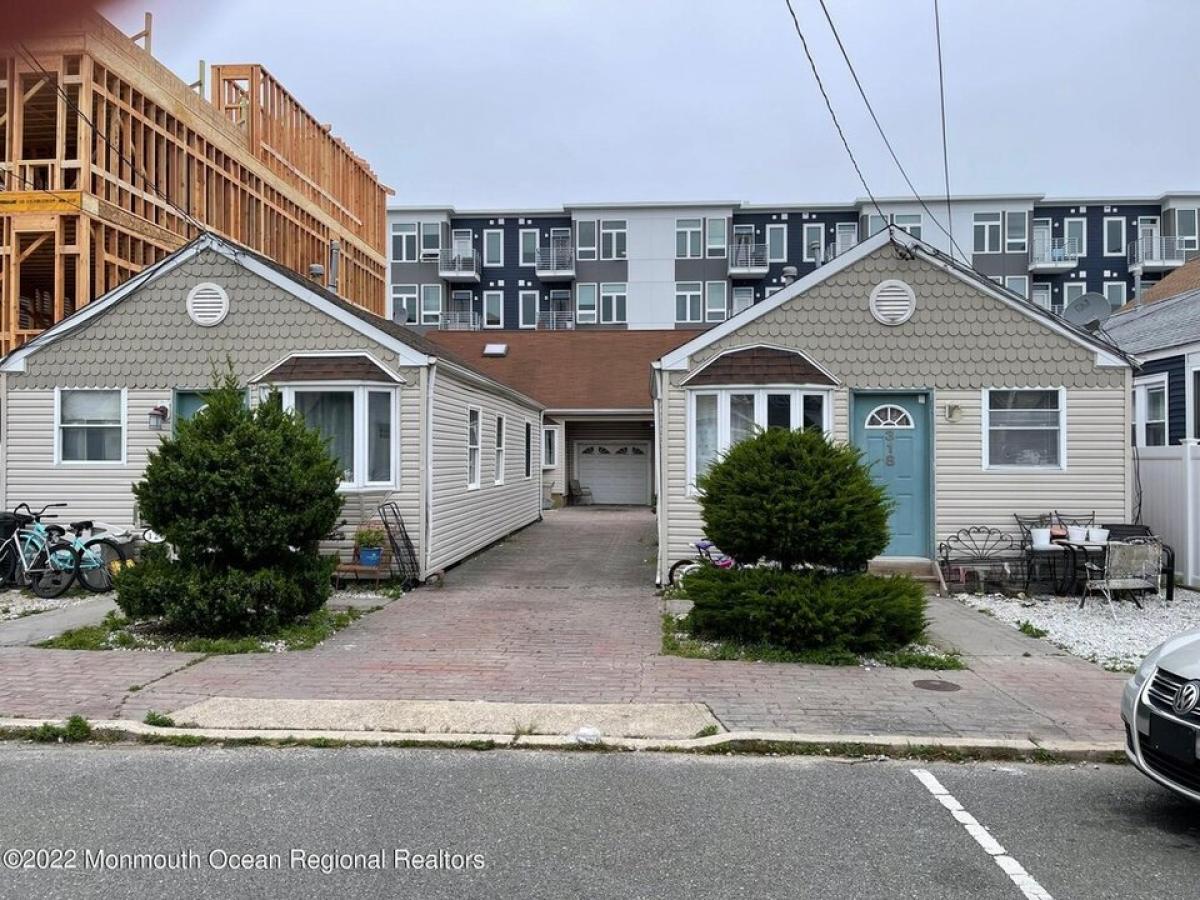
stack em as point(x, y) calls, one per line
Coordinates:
point(919, 569)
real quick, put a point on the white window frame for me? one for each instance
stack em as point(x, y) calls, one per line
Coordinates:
point(585, 316)
point(810, 228)
point(1191, 240)
point(402, 228)
point(433, 253)
point(710, 313)
point(985, 426)
point(493, 296)
point(683, 289)
point(550, 460)
point(1072, 284)
point(499, 235)
point(743, 290)
point(1141, 406)
point(1122, 244)
point(1039, 286)
point(782, 229)
point(1124, 292)
point(500, 448)
point(587, 252)
point(609, 227)
point(692, 232)
point(1021, 244)
point(1024, 281)
point(58, 426)
point(614, 289)
point(411, 290)
point(718, 248)
point(987, 221)
point(760, 392)
point(360, 390)
point(474, 454)
point(876, 223)
point(428, 318)
point(1067, 222)
point(524, 233)
point(528, 458)
point(912, 228)
point(521, 297)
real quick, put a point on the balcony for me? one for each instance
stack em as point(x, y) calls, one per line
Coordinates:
point(1157, 254)
point(748, 261)
point(458, 265)
point(556, 321)
point(555, 263)
point(460, 321)
point(1054, 254)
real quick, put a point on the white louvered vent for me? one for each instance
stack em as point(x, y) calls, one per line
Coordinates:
point(207, 304)
point(893, 302)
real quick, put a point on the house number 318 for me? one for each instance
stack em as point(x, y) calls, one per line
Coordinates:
point(889, 440)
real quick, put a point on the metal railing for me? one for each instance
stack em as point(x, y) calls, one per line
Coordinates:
point(458, 262)
point(555, 259)
point(460, 321)
point(747, 256)
point(1159, 251)
point(556, 320)
point(1048, 251)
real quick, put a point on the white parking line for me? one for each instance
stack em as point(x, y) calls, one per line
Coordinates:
point(1013, 869)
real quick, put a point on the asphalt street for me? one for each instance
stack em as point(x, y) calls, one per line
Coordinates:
point(358, 823)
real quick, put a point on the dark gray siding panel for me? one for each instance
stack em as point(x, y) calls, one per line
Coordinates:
point(1176, 371)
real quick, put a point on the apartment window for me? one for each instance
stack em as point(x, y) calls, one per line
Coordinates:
point(585, 304)
point(493, 309)
point(743, 298)
point(431, 240)
point(472, 447)
point(876, 224)
point(90, 426)
point(687, 238)
point(814, 237)
point(529, 246)
point(431, 304)
point(528, 301)
point(776, 243)
point(1072, 290)
point(549, 447)
point(1075, 232)
point(528, 449)
point(687, 301)
point(1150, 417)
point(1041, 294)
point(498, 477)
point(1114, 236)
point(1024, 429)
point(612, 303)
point(1018, 284)
point(359, 428)
point(493, 247)
point(404, 303)
point(404, 242)
point(1186, 229)
point(585, 240)
point(715, 237)
point(721, 418)
point(909, 222)
point(1016, 232)
point(987, 232)
point(1114, 292)
point(612, 239)
point(715, 301)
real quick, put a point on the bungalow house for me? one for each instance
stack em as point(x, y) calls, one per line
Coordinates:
point(83, 404)
point(970, 403)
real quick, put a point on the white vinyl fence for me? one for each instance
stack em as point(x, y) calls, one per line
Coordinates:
point(1171, 503)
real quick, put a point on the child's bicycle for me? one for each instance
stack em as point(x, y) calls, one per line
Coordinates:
point(708, 555)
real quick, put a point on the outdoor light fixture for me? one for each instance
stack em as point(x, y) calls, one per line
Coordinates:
point(954, 412)
point(159, 416)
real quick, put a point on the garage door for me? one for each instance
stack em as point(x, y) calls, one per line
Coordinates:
point(616, 472)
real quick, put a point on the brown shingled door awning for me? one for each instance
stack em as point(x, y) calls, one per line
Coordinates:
point(760, 365)
point(357, 367)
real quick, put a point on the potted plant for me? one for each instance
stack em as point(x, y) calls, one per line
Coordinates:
point(369, 543)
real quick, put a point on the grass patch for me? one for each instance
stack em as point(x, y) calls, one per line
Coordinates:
point(118, 633)
point(707, 731)
point(158, 720)
point(75, 731)
point(1028, 628)
point(676, 643)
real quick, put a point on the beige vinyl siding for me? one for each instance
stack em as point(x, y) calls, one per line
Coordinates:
point(464, 520)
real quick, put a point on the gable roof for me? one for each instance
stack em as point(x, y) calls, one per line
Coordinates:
point(760, 365)
point(1107, 353)
point(585, 370)
point(1169, 322)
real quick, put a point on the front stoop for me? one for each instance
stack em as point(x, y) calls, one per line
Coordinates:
point(918, 568)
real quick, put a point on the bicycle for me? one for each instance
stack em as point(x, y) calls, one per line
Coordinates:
point(708, 555)
point(101, 556)
point(33, 556)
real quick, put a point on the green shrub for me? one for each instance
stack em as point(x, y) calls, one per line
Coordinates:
point(808, 610)
point(794, 498)
point(369, 537)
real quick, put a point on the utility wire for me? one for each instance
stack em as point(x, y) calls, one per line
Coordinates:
point(829, 105)
point(937, 30)
point(879, 127)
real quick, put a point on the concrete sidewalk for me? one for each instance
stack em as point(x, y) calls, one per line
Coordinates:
point(30, 630)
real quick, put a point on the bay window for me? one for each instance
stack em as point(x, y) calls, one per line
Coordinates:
point(90, 426)
point(358, 424)
point(1024, 429)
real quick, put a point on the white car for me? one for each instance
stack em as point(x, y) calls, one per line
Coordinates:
point(1161, 709)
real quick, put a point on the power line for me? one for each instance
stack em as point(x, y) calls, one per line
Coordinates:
point(879, 127)
point(937, 28)
point(829, 106)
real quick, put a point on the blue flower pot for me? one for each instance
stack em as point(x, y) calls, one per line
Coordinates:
point(370, 556)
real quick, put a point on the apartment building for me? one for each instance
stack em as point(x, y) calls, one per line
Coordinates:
point(694, 264)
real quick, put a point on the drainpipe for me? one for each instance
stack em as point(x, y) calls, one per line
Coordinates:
point(430, 377)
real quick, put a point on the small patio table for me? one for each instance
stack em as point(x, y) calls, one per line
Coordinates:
point(1070, 580)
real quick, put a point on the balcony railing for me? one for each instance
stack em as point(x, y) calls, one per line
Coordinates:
point(554, 260)
point(1153, 253)
point(550, 320)
point(748, 259)
point(1054, 253)
point(458, 265)
point(460, 321)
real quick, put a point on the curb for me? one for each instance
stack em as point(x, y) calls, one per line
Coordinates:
point(753, 743)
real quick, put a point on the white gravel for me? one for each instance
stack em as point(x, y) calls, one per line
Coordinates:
point(17, 604)
point(1091, 632)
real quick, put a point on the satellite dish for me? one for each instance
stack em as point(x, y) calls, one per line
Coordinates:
point(1087, 311)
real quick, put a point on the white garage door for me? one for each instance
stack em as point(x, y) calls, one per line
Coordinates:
point(616, 472)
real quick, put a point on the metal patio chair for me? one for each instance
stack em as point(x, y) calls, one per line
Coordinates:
point(1134, 566)
point(1036, 557)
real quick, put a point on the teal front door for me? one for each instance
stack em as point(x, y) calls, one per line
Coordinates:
point(892, 430)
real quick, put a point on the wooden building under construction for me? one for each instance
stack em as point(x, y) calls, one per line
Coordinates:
point(109, 161)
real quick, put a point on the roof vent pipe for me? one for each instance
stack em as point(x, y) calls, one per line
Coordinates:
point(316, 272)
point(789, 274)
point(335, 256)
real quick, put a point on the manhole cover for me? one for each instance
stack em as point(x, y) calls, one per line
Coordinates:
point(933, 684)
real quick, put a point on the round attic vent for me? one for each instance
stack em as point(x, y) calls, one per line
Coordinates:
point(893, 302)
point(207, 304)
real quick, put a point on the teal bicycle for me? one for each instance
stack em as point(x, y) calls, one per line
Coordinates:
point(32, 556)
point(101, 556)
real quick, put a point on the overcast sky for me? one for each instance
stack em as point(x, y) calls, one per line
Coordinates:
point(539, 102)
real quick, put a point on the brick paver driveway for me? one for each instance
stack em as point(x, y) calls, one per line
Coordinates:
point(565, 611)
